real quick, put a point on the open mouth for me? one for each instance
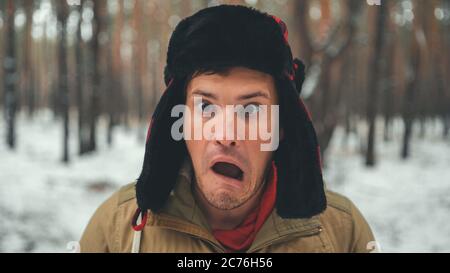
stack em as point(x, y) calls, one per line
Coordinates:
point(229, 170)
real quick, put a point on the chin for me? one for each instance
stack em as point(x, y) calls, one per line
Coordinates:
point(224, 201)
point(222, 197)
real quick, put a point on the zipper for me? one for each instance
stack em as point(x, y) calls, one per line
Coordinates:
point(309, 232)
point(213, 244)
point(217, 247)
point(304, 233)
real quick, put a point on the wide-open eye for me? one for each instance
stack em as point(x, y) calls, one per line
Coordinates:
point(252, 108)
point(207, 109)
point(249, 110)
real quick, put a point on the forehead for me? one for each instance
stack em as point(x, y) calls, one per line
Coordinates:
point(236, 81)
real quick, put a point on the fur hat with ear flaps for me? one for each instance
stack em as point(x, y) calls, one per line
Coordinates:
point(215, 39)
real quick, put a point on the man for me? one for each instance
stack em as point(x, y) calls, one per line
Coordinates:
point(211, 193)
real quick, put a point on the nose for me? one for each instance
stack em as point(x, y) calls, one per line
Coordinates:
point(224, 133)
point(226, 143)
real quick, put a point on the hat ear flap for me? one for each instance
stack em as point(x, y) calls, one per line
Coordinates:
point(163, 154)
point(300, 193)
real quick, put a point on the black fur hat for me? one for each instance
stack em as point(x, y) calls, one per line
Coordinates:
point(215, 39)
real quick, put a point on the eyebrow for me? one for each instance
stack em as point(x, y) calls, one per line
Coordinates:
point(204, 94)
point(252, 95)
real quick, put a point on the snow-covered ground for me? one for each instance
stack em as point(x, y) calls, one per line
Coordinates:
point(44, 205)
point(407, 203)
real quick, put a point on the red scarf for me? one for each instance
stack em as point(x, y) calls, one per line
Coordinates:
point(240, 238)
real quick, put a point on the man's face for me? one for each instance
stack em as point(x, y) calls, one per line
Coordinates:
point(229, 172)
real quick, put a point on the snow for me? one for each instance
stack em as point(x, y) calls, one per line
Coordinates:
point(407, 203)
point(45, 205)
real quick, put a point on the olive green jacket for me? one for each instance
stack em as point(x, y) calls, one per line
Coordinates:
point(181, 227)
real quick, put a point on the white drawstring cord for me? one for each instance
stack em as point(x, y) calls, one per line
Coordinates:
point(137, 237)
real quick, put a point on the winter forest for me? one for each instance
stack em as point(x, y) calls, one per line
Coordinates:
point(79, 80)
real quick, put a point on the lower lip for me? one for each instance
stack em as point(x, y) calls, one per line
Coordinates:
point(230, 181)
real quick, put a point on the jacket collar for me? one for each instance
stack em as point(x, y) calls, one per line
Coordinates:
point(182, 213)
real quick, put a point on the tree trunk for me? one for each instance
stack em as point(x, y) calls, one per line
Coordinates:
point(409, 102)
point(373, 79)
point(62, 14)
point(388, 83)
point(80, 85)
point(116, 106)
point(10, 76)
point(29, 85)
point(139, 58)
point(446, 121)
point(97, 73)
point(412, 88)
